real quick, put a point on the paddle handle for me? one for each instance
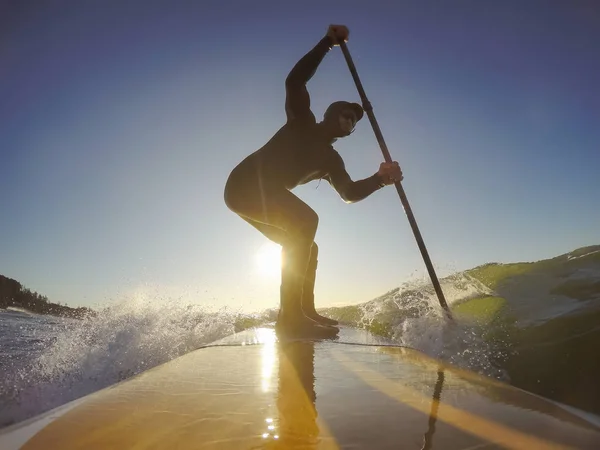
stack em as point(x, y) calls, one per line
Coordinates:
point(386, 155)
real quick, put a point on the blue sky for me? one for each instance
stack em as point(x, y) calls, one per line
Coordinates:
point(120, 122)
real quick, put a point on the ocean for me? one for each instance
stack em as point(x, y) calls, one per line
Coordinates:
point(530, 331)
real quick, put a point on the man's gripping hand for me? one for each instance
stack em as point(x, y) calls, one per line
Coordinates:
point(389, 173)
point(338, 33)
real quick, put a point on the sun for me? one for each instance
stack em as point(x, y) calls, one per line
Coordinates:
point(268, 259)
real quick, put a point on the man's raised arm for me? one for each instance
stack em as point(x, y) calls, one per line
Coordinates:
point(297, 100)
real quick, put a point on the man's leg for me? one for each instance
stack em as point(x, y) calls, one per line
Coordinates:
point(287, 220)
point(308, 290)
point(294, 258)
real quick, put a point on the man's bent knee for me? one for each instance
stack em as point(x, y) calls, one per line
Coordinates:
point(306, 229)
point(314, 251)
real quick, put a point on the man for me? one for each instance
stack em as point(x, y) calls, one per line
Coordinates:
point(258, 188)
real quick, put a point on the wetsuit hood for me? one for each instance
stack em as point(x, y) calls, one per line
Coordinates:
point(336, 107)
point(330, 118)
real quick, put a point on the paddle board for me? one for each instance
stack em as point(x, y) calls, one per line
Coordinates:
point(359, 391)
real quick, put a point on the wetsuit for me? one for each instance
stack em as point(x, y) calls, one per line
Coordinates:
point(258, 189)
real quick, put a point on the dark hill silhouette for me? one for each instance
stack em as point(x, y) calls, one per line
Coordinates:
point(12, 293)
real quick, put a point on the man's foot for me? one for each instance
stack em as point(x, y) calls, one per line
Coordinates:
point(320, 319)
point(304, 327)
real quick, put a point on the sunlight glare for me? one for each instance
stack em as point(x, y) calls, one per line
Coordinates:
point(268, 259)
point(268, 351)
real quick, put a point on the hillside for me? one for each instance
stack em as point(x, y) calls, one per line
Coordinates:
point(13, 294)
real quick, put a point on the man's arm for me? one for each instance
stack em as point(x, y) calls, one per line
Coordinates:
point(351, 191)
point(297, 100)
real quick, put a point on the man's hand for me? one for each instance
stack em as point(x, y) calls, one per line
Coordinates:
point(338, 33)
point(390, 172)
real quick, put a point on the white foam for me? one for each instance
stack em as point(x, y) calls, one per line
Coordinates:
point(129, 337)
point(418, 321)
point(571, 257)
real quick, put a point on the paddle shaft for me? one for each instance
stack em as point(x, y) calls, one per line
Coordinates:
point(386, 155)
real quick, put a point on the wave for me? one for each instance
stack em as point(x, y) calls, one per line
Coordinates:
point(411, 315)
point(83, 356)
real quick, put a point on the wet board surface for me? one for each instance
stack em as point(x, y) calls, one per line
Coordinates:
point(347, 335)
point(250, 391)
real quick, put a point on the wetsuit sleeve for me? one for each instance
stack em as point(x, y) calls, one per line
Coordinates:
point(351, 191)
point(297, 100)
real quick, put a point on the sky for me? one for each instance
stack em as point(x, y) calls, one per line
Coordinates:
point(121, 120)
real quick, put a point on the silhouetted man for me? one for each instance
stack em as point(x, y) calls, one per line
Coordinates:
point(258, 188)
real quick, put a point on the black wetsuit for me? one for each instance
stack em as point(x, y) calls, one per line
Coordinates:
point(258, 189)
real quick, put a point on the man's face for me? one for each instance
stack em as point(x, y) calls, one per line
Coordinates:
point(347, 120)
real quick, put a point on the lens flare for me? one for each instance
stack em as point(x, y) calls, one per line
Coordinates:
point(268, 259)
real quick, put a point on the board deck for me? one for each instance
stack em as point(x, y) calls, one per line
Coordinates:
point(251, 391)
point(347, 335)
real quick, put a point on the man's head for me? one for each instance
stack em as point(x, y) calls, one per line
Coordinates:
point(341, 117)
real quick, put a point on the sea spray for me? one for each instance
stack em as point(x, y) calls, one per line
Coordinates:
point(411, 315)
point(122, 340)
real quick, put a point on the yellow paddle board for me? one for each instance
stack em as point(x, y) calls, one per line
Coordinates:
point(250, 391)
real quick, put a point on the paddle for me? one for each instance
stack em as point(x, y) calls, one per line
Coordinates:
point(386, 154)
